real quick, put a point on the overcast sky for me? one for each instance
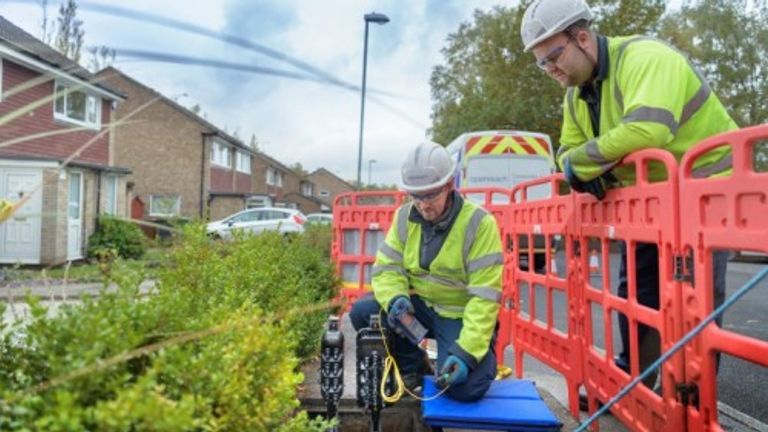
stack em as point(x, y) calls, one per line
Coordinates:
point(312, 123)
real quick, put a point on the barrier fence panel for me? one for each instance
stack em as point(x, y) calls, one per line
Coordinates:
point(643, 216)
point(719, 213)
point(539, 301)
point(360, 224)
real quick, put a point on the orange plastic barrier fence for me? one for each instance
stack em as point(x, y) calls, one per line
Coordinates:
point(558, 251)
point(360, 224)
point(534, 287)
point(722, 213)
point(645, 214)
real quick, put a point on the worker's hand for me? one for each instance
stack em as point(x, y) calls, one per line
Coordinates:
point(398, 306)
point(596, 187)
point(454, 372)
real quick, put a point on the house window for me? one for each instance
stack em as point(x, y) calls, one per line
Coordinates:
point(164, 205)
point(221, 154)
point(244, 162)
point(76, 106)
point(324, 193)
point(306, 189)
point(274, 177)
point(110, 189)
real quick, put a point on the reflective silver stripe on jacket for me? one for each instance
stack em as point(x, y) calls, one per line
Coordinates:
point(689, 109)
point(485, 261)
point(454, 309)
point(486, 293)
point(655, 115)
point(593, 153)
point(378, 269)
point(471, 233)
point(389, 252)
point(698, 100)
point(450, 283)
point(707, 171)
point(401, 223)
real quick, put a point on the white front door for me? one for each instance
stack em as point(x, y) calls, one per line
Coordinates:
point(75, 216)
point(20, 234)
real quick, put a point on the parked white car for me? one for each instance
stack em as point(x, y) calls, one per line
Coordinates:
point(320, 218)
point(256, 220)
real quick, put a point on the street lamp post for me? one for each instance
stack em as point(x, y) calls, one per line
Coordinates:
point(369, 18)
point(370, 161)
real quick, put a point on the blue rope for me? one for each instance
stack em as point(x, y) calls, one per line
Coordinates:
point(687, 338)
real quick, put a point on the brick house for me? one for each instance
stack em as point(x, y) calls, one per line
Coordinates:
point(183, 166)
point(300, 193)
point(328, 186)
point(54, 151)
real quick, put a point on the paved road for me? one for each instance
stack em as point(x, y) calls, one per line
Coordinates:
point(743, 385)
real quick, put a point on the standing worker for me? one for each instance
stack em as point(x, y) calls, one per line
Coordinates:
point(625, 94)
point(441, 262)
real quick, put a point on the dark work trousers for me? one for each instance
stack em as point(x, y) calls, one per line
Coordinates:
point(410, 358)
point(647, 282)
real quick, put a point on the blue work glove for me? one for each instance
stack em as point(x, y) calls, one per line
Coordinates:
point(398, 306)
point(596, 187)
point(454, 372)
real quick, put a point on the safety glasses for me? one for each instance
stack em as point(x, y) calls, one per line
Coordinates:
point(427, 196)
point(552, 56)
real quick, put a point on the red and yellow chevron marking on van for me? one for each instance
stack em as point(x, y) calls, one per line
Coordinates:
point(502, 144)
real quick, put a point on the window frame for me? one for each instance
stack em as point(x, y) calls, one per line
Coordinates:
point(177, 206)
point(91, 100)
point(239, 166)
point(307, 189)
point(113, 187)
point(221, 155)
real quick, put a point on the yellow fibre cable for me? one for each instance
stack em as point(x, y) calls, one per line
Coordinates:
point(390, 366)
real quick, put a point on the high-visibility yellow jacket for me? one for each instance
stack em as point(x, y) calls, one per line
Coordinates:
point(651, 98)
point(463, 281)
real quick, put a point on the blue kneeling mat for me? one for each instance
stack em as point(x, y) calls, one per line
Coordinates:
point(509, 405)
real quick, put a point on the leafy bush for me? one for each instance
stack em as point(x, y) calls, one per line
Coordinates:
point(318, 236)
point(216, 347)
point(118, 235)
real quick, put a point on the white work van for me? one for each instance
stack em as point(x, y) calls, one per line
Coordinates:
point(503, 158)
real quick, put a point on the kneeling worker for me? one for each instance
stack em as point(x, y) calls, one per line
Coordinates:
point(441, 262)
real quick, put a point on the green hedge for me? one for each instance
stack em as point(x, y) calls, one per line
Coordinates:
point(260, 294)
point(125, 238)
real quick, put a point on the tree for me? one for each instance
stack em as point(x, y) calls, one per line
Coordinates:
point(101, 57)
point(299, 169)
point(488, 82)
point(729, 44)
point(728, 41)
point(69, 37)
point(46, 33)
point(254, 144)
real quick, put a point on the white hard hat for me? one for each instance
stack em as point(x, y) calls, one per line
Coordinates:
point(428, 166)
point(546, 18)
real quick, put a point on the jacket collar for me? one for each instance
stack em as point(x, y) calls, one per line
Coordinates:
point(603, 62)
